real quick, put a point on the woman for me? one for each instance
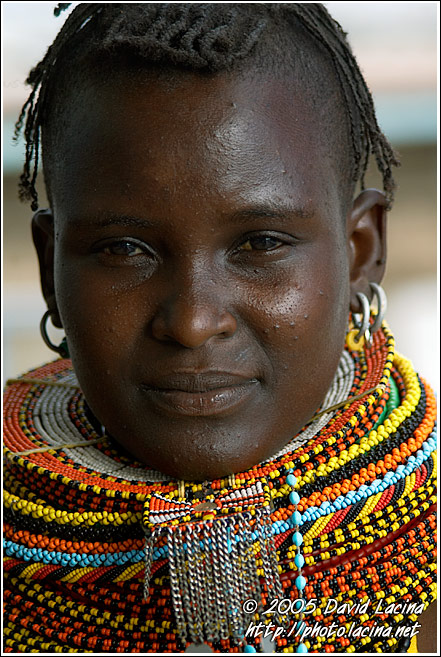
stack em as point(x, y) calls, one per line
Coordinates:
point(212, 265)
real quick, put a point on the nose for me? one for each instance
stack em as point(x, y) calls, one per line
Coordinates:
point(193, 312)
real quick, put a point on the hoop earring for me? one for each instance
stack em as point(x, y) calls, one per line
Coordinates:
point(380, 294)
point(362, 323)
point(361, 334)
point(62, 349)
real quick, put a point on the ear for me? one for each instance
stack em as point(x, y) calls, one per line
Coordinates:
point(44, 241)
point(366, 233)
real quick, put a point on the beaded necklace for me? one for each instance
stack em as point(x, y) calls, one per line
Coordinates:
point(103, 554)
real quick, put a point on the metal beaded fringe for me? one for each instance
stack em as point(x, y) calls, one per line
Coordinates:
point(213, 571)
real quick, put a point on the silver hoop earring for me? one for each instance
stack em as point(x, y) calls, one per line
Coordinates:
point(362, 323)
point(361, 334)
point(62, 349)
point(380, 295)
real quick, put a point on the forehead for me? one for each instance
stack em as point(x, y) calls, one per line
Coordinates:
point(226, 136)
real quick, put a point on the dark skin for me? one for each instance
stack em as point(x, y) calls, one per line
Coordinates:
point(228, 262)
point(201, 229)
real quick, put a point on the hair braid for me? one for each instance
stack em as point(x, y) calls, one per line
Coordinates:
point(31, 110)
point(312, 23)
point(372, 140)
point(197, 36)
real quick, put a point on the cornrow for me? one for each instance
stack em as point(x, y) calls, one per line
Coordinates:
point(331, 35)
point(32, 110)
point(212, 37)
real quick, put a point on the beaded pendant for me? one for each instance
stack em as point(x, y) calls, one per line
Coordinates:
point(213, 547)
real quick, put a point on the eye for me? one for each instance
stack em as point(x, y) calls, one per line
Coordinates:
point(123, 248)
point(261, 243)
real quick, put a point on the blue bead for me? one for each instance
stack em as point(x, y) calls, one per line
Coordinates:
point(294, 497)
point(297, 517)
point(297, 538)
point(302, 648)
point(291, 480)
point(300, 582)
point(249, 649)
point(299, 560)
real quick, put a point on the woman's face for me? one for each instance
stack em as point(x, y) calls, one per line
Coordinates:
point(201, 266)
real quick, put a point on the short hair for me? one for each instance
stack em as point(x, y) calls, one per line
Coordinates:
point(212, 37)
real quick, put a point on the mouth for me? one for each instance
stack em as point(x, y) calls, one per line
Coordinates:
point(203, 394)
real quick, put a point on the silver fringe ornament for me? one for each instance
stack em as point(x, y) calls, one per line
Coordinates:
point(221, 553)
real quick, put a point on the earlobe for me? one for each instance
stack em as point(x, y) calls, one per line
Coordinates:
point(44, 242)
point(366, 239)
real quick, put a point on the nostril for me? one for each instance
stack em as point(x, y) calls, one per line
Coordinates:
point(192, 324)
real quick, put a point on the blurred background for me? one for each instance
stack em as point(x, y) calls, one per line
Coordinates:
point(396, 46)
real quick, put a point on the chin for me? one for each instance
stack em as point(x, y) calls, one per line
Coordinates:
point(202, 457)
point(191, 459)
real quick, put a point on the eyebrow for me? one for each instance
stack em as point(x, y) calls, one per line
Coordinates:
point(263, 210)
point(113, 220)
point(269, 211)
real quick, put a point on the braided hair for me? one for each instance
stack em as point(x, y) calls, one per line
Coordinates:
point(212, 37)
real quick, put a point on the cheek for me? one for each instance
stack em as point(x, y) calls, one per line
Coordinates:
point(103, 317)
point(304, 302)
point(302, 320)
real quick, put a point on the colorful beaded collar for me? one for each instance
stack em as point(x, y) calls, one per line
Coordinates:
point(324, 515)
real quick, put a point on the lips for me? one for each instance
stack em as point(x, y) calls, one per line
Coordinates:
point(200, 394)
